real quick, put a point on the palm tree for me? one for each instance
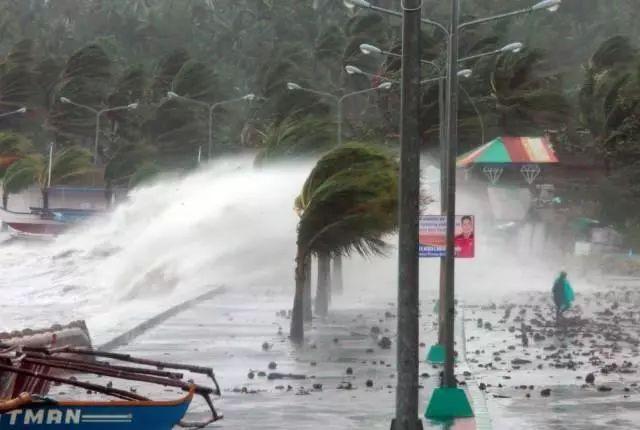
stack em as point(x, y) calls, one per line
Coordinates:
point(144, 173)
point(528, 98)
point(13, 146)
point(609, 100)
point(610, 111)
point(124, 164)
point(296, 137)
point(347, 204)
point(33, 169)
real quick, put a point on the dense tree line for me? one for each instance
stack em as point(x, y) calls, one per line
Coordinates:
point(112, 53)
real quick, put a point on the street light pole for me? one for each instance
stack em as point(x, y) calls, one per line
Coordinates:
point(406, 417)
point(210, 107)
point(338, 99)
point(13, 112)
point(451, 154)
point(447, 402)
point(382, 86)
point(98, 113)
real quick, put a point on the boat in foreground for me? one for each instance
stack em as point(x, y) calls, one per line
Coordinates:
point(29, 409)
point(28, 412)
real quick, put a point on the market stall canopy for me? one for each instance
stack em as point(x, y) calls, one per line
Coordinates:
point(511, 150)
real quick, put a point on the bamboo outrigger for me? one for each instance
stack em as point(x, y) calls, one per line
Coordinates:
point(32, 369)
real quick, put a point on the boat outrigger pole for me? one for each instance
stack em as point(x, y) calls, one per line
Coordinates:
point(207, 371)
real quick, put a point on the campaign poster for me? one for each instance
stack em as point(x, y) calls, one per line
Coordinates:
point(433, 230)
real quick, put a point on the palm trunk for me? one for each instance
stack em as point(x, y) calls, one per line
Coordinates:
point(45, 199)
point(307, 289)
point(336, 280)
point(323, 289)
point(296, 332)
point(108, 194)
point(5, 200)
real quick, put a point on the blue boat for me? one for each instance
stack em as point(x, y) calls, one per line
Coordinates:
point(129, 410)
point(26, 412)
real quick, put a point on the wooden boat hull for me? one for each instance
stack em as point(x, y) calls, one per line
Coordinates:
point(156, 415)
point(31, 224)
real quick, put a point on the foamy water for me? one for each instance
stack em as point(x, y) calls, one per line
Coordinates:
point(225, 224)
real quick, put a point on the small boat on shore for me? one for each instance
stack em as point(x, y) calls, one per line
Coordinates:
point(26, 411)
point(129, 410)
point(32, 224)
point(42, 224)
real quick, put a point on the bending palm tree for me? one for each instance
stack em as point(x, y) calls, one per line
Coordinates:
point(347, 204)
point(34, 169)
point(13, 146)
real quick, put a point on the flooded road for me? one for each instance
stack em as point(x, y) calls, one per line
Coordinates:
point(233, 226)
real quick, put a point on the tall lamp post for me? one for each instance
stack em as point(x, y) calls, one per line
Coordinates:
point(98, 113)
point(14, 112)
point(448, 401)
point(211, 107)
point(436, 354)
point(292, 86)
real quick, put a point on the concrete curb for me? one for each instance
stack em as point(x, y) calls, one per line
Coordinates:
point(153, 322)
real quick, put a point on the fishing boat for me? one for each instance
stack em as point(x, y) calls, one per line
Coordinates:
point(32, 216)
point(127, 409)
point(32, 224)
point(44, 224)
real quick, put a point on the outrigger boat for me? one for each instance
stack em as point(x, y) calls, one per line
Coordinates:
point(40, 367)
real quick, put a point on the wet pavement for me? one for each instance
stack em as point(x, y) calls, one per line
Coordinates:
point(349, 369)
point(582, 374)
point(349, 374)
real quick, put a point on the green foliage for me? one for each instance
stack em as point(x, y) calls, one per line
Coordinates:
point(296, 138)
point(21, 175)
point(528, 99)
point(197, 80)
point(177, 132)
point(85, 80)
point(347, 207)
point(336, 161)
point(167, 70)
point(14, 144)
point(144, 173)
point(67, 164)
point(610, 100)
point(126, 162)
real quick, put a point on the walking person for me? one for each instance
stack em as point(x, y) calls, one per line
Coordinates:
point(563, 295)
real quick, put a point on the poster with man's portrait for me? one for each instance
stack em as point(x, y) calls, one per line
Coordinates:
point(433, 230)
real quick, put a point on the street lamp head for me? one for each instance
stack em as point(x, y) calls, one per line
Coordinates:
point(292, 86)
point(550, 5)
point(384, 86)
point(512, 47)
point(172, 95)
point(356, 3)
point(22, 110)
point(353, 70)
point(249, 97)
point(133, 106)
point(367, 49)
point(65, 100)
point(465, 73)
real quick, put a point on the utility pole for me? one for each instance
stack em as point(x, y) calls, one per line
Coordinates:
point(409, 210)
point(442, 307)
point(452, 150)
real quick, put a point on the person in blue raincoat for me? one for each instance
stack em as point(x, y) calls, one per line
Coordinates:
point(562, 295)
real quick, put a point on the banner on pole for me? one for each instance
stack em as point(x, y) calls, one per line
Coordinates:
point(433, 236)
